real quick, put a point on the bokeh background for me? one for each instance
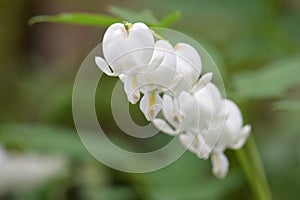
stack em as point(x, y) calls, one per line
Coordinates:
point(256, 45)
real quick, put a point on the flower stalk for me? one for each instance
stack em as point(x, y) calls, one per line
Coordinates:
point(251, 164)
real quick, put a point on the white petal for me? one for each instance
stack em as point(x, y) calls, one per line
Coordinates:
point(243, 135)
point(140, 47)
point(203, 81)
point(115, 30)
point(187, 139)
point(164, 127)
point(220, 164)
point(187, 110)
point(123, 77)
point(231, 133)
point(126, 50)
point(169, 111)
point(101, 63)
point(209, 105)
point(188, 62)
point(148, 80)
point(150, 105)
point(130, 87)
point(163, 47)
point(235, 119)
point(163, 65)
point(154, 64)
point(203, 149)
point(179, 84)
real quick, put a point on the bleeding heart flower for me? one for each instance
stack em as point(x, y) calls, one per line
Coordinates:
point(127, 48)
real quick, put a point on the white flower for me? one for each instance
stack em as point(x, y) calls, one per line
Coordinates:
point(126, 48)
point(195, 143)
point(231, 134)
point(156, 79)
point(189, 115)
point(179, 112)
point(160, 78)
point(190, 111)
point(227, 130)
point(206, 124)
point(188, 70)
point(209, 118)
point(153, 82)
point(234, 134)
point(150, 105)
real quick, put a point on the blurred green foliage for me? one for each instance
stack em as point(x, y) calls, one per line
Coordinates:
point(257, 47)
point(76, 19)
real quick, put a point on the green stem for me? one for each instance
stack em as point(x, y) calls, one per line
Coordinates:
point(251, 163)
point(257, 164)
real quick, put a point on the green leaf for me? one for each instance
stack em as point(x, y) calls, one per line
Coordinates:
point(170, 19)
point(289, 105)
point(145, 16)
point(52, 139)
point(76, 19)
point(43, 138)
point(271, 81)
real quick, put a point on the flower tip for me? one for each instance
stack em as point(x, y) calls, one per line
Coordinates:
point(247, 129)
point(101, 63)
point(103, 66)
point(245, 132)
point(204, 151)
point(98, 59)
point(203, 81)
point(202, 155)
point(220, 165)
point(208, 76)
point(162, 125)
point(219, 174)
point(134, 97)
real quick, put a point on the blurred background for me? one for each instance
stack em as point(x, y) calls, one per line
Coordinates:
point(256, 45)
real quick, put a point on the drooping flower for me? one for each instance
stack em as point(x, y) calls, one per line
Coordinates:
point(153, 82)
point(190, 111)
point(233, 136)
point(206, 125)
point(127, 48)
point(188, 70)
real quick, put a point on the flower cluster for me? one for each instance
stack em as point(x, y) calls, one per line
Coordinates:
point(169, 79)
